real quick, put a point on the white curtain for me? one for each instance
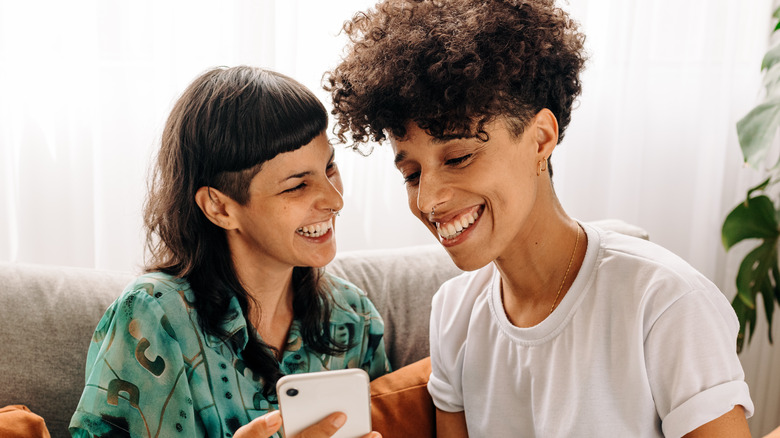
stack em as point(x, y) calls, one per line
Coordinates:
point(85, 87)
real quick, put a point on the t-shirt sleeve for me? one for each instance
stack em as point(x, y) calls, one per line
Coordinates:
point(693, 369)
point(445, 385)
point(136, 382)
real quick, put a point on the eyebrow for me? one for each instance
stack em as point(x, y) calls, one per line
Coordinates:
point(435, 140)
point(399, 157)
point(309, 172)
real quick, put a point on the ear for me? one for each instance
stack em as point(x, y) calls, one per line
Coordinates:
point(545, 127)
point(215, 205)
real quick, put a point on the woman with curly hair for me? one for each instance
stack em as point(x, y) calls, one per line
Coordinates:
point(560, 328)
point(240, 218)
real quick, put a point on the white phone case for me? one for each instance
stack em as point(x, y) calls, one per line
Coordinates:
point(307, 398)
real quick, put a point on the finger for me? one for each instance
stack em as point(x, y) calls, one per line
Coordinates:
point(326, 427)
point(373, 435)
point(261, 427)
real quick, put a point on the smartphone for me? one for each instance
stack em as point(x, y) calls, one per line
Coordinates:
point(307, 398)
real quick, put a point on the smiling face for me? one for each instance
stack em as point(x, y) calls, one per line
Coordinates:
point(485, 193)
point(289, 219)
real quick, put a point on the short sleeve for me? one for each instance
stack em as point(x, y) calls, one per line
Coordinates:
point(445, 385)
point(136, 382)
point(694, 371)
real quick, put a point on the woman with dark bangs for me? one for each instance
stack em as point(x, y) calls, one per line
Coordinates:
point(561, 329)
point(240, 218)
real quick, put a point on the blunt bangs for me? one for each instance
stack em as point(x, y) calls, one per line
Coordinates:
point(250, 115)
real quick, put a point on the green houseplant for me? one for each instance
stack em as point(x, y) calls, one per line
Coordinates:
point(758, 216)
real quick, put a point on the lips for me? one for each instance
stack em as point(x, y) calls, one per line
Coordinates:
point(455, 226)
point(316, 230)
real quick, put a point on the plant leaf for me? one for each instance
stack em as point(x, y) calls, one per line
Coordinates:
point(776, 13)
point(752, 219)
point(755, 274)
point(771, 57)
point(771, 79)
point(761, 186)
point(768, 297)
point(757, 129)
point(768, 289)
point(746, 317)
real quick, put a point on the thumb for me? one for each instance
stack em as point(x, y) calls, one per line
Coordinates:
point(261, 427)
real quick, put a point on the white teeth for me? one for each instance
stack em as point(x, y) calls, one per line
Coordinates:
point(315, 230)
point(457, 226)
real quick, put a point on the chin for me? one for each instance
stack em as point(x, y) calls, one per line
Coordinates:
point(469, 262)
point(321, 262)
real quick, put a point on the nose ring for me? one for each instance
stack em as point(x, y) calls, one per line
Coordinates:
point(335, 212)
point(433, 211)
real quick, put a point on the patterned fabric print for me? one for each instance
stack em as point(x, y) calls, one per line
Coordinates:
point(151, 371)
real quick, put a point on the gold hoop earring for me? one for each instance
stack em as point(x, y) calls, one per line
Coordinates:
point(542, 167)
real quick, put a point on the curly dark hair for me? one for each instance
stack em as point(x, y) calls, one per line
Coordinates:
point(451, 66)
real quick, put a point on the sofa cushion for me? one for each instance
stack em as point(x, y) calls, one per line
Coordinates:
point(400, 283)
point(400, 403)
point(47, 316)
point(16, 421)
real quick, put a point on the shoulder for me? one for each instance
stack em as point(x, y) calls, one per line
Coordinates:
point(459, 294)
point(167, 290)
point(652, 277)
point(158, 285)
point(345, 293)
point(461, 302)
point(154, 299)
point(641, 262)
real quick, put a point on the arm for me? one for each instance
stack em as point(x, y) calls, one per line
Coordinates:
point(732, 424)
point(693, 368)
point(451, 424)
point(135, 379)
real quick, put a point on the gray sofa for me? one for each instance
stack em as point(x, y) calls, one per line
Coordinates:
point(48, 313)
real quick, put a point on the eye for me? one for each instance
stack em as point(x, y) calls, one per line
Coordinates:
point(296, 188)
point(332, 169)
point(458, 161)
point(412, 179)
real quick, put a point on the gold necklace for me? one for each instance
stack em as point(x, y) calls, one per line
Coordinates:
point(566, 274)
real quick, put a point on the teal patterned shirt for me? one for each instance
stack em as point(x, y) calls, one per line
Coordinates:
point(152, 372)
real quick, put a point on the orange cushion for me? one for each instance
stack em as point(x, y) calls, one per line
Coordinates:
point(16, 421)
point(400, 403)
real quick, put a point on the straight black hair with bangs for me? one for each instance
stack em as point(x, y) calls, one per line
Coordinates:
point(249, 116)
point(226, 124)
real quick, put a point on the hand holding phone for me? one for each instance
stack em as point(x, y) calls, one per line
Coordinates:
point(305, 399)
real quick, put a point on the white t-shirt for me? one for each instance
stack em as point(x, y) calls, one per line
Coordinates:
point(642, 345)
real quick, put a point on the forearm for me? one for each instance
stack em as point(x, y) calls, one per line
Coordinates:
point(451, 424)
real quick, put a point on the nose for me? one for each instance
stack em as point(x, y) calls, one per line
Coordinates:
point(331, 193)
point(432, 190)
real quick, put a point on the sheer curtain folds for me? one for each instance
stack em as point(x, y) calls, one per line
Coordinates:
point(86, 85)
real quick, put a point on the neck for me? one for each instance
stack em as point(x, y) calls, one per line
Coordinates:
point(541, 266)
point(270, 290)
